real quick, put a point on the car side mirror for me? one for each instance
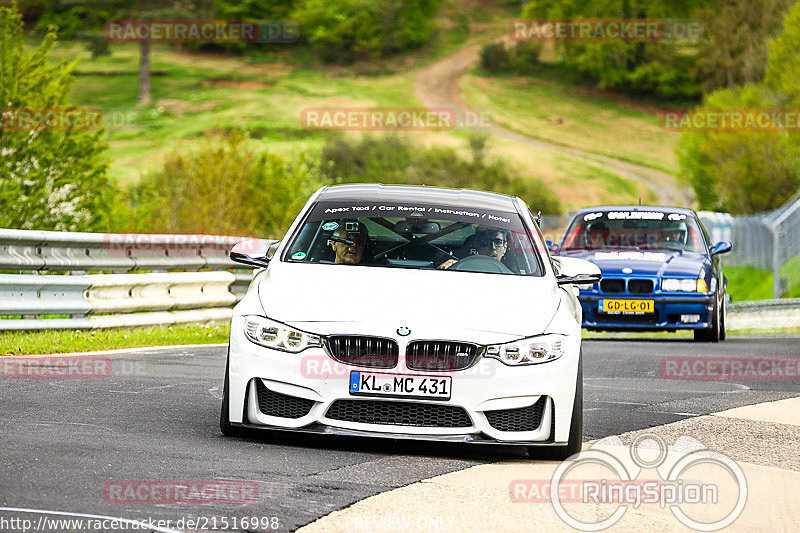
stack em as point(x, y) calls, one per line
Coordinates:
point(574, 271)
point(722, 247)
point(552, 246)
point(254, 252)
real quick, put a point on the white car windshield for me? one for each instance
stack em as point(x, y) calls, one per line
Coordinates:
point(416, 236)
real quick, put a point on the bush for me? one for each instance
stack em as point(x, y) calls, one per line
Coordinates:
point(50, 178)
point(348, 30)
point(393, 160)
point(495, 57)
point(223, 188)
point(522, 58)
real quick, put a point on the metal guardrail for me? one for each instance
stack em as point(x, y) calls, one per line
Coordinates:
point(764, 314)
point(103, 290)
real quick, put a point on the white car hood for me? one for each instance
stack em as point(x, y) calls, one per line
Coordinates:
point(299, 294)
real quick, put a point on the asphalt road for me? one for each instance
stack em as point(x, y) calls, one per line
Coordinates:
point(155, 417)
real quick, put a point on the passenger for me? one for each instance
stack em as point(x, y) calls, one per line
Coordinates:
point(350, 254)
point(490, 242)
point(597, 235)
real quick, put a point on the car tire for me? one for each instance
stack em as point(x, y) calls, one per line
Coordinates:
point(712, 333)
point(722, 317)
point(575, 442)
point(225, 426)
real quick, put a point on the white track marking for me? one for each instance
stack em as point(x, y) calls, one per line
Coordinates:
point(144, 524)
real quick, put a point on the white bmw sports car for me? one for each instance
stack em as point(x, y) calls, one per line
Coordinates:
point(413, 313)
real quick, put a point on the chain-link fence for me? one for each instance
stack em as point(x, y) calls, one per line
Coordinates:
point(768, 240)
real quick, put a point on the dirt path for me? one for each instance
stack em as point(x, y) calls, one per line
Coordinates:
point(437, 86)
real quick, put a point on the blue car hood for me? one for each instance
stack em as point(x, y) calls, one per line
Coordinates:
point(655, 263)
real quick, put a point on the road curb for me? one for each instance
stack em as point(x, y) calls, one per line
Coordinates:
point(478, 498)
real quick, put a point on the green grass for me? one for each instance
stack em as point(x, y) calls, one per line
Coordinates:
point(591, 120)
point(750, 283)
point(264, 92)
point(66, 341)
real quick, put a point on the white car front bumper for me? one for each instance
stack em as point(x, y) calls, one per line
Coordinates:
point(304, 387)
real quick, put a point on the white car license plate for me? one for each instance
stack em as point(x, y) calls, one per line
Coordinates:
point(400, 386)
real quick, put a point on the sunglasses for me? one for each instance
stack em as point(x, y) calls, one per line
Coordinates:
point(488, 243)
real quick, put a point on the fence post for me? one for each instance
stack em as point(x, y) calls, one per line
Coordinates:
point(776, 261)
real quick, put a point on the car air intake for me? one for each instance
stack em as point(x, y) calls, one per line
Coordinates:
point(273, 403)
point(640, 286)
point(521, 419)
point(440, 355)
point(399, 414)
point(371, 352)
point(612, 286)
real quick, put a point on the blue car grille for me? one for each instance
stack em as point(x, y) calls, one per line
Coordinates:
point(633, 286)
point(612, 286)
point(640, 286)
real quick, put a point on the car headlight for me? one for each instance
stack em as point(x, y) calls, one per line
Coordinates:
point(272, 334)
point(683, 285)
point(529, 351)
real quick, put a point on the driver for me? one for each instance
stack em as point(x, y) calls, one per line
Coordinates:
point(349, 254)
point(486, 241)
point(673, 234)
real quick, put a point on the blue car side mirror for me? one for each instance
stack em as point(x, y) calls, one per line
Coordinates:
point(722, 247)
point(552, 246)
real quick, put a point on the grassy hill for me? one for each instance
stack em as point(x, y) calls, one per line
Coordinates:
point(263, 93)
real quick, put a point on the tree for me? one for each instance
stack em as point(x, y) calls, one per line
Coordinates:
point(84, 19)
point(51, 177)
point(348, 30)
point(783, 71)
point(750, 171)
point(733, 50)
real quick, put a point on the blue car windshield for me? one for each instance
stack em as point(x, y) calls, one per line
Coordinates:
point(634, 229)
point(416, 237)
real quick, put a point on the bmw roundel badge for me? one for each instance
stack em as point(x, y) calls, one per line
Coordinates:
point(403, 331)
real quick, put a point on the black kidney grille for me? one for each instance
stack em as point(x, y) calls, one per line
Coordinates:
point(612, 286)
point(521, 419)
point(273, 403)
point(640, 286)
point(399, 414)
point(440, 355)
point(372, 352)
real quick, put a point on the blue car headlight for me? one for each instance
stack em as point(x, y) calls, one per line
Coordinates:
point(684, 285)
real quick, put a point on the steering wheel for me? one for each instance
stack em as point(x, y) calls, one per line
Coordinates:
point(481, 263)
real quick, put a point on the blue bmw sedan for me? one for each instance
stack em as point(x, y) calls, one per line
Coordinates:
point(660, 272)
